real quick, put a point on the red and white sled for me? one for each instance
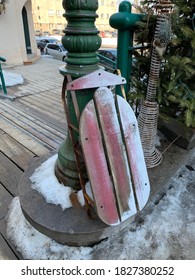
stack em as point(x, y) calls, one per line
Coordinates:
point(114, 158)
point(112, 150)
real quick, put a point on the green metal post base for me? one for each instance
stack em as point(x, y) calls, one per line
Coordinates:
point(65, 168)
point(81, 41)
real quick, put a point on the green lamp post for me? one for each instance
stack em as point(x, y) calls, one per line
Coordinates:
point(125, 22)
point(81, 41)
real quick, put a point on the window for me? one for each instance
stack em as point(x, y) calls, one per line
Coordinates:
point(53, 47)
point(59, 13)
point(51, 13)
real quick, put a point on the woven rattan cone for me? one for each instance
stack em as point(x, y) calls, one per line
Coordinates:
point(147, 121)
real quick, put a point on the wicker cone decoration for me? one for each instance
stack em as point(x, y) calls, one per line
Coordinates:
point(148, 116)
point(147, 122)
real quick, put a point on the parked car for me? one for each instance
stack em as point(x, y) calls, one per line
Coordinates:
point(38, 32)
point(56, 50)
point(46, 33)
point(108, 58)
point(43, 41)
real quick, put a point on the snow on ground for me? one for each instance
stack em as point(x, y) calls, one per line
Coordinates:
point(12, 79)
point(166, 232)
point(45, 182)
point(33, 244)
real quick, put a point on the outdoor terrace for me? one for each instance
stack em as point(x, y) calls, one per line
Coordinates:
point(33, 126)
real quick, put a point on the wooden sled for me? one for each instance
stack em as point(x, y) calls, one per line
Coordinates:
point(114, 158)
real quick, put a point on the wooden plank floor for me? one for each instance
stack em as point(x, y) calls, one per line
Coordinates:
point(31, 126)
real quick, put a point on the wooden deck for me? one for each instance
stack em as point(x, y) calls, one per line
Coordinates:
point(31, 126)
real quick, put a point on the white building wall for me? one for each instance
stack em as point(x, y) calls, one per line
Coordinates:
point(12, 38)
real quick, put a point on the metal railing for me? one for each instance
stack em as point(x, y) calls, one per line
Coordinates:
point(2, 84)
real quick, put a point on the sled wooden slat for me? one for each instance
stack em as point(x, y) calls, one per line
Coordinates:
point(96, 163)
point(115, 150)
point(135, 153)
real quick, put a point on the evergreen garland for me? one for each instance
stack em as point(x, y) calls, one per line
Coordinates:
point(176, 85)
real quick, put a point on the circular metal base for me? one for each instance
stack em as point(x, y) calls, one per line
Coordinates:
point(72, 226)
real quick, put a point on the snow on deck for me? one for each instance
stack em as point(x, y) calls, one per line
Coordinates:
point(166, 233)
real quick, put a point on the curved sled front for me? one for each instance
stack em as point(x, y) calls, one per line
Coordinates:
point(115, 167)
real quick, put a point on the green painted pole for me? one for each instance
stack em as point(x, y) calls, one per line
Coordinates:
point(2, 77)
point(81, 41)
point(125, 22)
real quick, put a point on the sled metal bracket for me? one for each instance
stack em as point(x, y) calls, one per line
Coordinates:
point(96, 79)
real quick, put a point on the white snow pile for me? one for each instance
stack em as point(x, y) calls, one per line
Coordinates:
point(12, 79)
point(34, 245)
point(166, 232)
point(46, 183)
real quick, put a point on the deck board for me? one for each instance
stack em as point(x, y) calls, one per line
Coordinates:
point(7, 250)
point(6, 253)
point(10, 174)
point(50, 111)
point(31, 126)
point(15, 151)
point(31, 119)
point(26, 139)
point(5, 200)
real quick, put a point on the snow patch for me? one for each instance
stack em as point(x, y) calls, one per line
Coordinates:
point(166, 233)
point(12, 79)
point(45, 182)
point(34, 245)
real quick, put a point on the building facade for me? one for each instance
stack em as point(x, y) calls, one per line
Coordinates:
point(22, 17)
point(17, 41)
point(48, 16)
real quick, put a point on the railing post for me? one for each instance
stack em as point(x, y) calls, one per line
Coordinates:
point(125, 22)
point(2, 77)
